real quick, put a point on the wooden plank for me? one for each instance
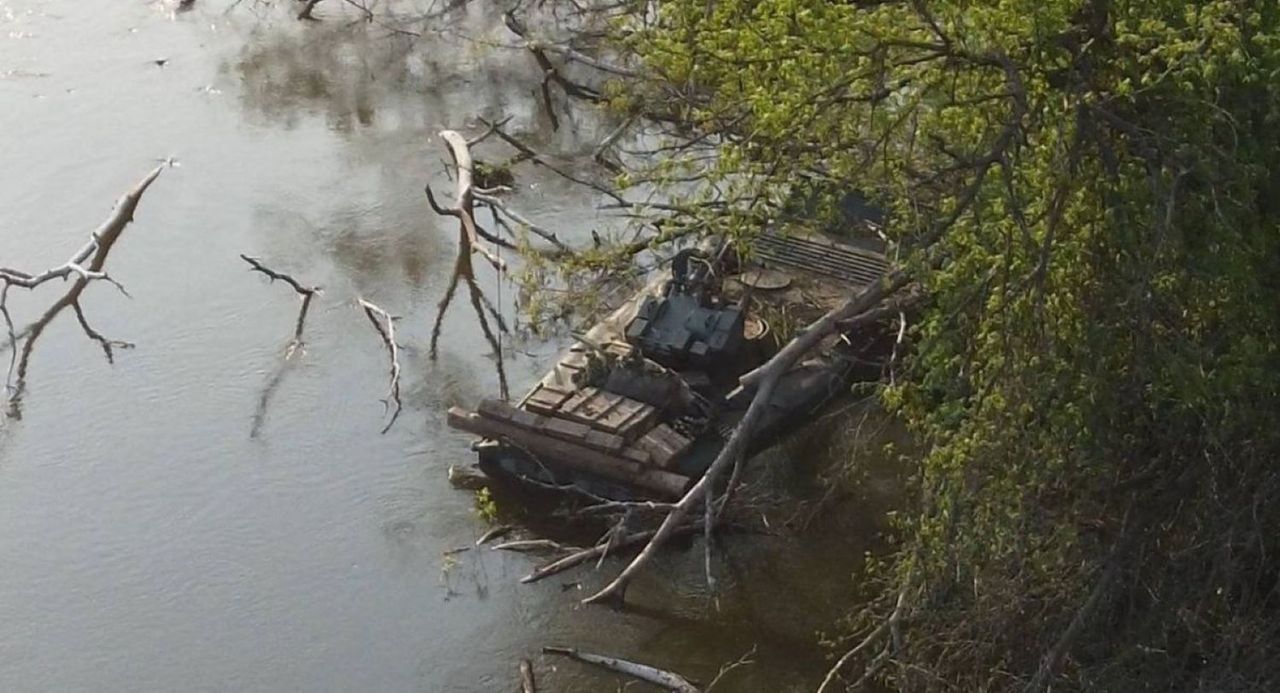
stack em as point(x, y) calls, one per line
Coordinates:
point(550, 425)
point(497, 409)
point(564, 428)
point(553, 451)
point(664, 445)
point(547, 399)
point(604, 441)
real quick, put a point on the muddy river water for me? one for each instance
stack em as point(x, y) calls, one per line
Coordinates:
point(148, 541)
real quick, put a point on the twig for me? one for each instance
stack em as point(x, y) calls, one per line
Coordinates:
point(543, 161)
point(529, 545)
point(468, 242)
point(498, 206)
point(488, 132)
point(578, 558)
point(889, 626)
point(106, 344)
point(744, 660)
point(494, 533)
point(385, 324)
point(306, 292)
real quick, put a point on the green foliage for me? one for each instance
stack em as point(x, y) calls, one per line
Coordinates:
point(486, 506)
point(1087, 191)
point(489, 175)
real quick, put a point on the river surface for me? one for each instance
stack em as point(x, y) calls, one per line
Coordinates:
point(164, 529)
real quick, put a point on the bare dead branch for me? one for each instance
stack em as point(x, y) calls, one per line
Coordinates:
point(527, 683)
point(463, 206)
point(305, 292)
point(1051, 659)
point(385, 324)
point(13, 337)
point(468, 242)
point(546, 163)
point(659, 677)
point(529, 545)
point(575, 559)
point(107, 344)
point(488, 132)
point(744, 660)
point(94, 252)
point(887, 627)
point(498, 206)
point(494, 533)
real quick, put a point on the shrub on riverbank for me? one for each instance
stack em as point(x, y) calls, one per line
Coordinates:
point(1087, 193)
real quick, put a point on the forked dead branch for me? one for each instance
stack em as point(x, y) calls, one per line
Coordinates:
point(87, 265)
point(306, 293)
point(469, 242)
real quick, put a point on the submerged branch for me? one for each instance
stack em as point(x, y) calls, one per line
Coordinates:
point(94, 252)
point(385, 324)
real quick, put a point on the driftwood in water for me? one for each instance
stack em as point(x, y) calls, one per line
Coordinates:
point(385, 324)
point(643, 672)
point(94, 252)
point(495, 533)
point(527, 684)
point(529, 545)
point(305, 292)
point(295, 345)
point(468, 242)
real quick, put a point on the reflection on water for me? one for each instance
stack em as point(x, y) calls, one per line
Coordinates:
point(150, 544)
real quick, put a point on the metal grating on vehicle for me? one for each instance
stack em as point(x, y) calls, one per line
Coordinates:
point(837, 260)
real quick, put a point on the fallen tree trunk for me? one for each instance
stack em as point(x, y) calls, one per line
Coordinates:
point(643, 672)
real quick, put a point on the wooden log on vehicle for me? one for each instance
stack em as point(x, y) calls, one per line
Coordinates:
point(572, 455)
point(551, 425)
